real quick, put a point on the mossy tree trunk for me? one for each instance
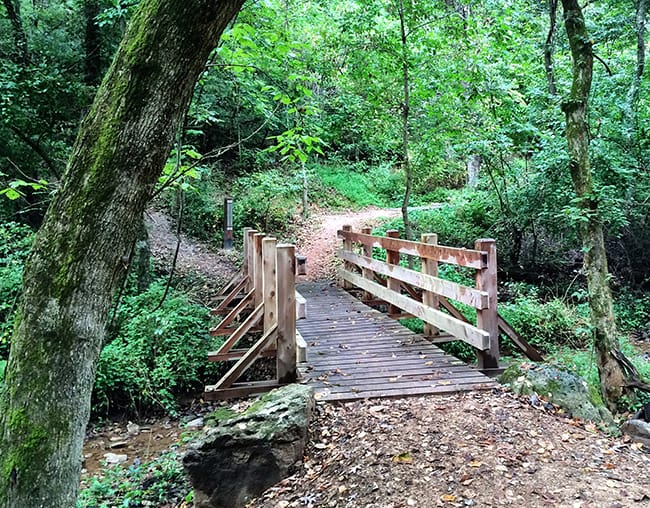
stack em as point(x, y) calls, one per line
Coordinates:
point(612, 375)
point(78, 258)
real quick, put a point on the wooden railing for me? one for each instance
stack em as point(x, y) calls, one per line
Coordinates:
point(422, 294)
point(261, 298)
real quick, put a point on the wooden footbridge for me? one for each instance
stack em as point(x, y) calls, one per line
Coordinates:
point(354, 348)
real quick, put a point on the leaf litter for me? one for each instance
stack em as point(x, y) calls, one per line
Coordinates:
point(470, 449)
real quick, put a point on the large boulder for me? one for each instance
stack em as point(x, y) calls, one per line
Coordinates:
point(242, 456)
point(559, 387)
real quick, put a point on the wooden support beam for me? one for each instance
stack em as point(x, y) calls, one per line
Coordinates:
point(247, 360)
point(243, 329)
point(258, 268)
point(429, 298)
point(249, 256)
point(230, 297)
point(286, 322)
point(269, 284)
point(238, 390)
point(366, 250)
point(519, 341)
point(488, 319)
point(478, 338)
point(347, 247)
point(236, 354)
point(232, 315)
point(301, 306)
point(392, 258)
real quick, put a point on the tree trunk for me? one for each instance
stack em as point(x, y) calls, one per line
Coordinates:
point(473, 169)
point(20, 38)
point(641, 13)
point(78, 257)
point(406, 163)
point(92, 45)
point(548, 47)
point(612, 376)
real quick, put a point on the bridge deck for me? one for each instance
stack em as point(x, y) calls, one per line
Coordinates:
point(355, 352)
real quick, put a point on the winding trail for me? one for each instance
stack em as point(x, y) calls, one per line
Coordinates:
point(319, 241)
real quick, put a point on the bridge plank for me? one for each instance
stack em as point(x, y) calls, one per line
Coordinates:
point(355, 352)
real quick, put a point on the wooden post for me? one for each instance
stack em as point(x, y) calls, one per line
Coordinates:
point(430, 267)
point(258, 268)
point(392, 257)
point(269, 291)
point(347, 245)
point(249, 258)
point(227, 223)
point(488, 319)
point(366, 272)
point(286, 299)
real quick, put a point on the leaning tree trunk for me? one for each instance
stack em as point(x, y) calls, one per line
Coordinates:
point(79, 253)
point(612, 375)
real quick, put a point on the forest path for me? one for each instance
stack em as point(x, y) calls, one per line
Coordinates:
point(318, 241)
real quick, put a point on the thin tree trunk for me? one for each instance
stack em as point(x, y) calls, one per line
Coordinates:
point(548, 47)
point(77, 260)
point(92, 45)
point(20, 38)
point(406, 163)
point(612, 375)
point(641, 13)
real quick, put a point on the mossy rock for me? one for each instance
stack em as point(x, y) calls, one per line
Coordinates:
point(242, 455)
point(560, 387)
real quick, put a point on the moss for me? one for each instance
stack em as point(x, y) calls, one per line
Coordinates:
point(221, 414)
point(510, 374)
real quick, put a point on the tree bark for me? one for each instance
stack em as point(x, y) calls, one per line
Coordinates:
point(612, 375)
point(78, 258)
point(20, 38)
point(641, 13)
point(548, 47)
point(406, 163)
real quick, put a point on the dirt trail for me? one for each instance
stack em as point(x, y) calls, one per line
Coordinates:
point(319, 241)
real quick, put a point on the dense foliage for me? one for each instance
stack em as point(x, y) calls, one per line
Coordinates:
point(303, 104)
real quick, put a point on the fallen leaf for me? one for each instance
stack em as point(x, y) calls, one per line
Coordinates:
point(402, 458)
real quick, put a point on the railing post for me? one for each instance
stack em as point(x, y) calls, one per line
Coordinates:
point(430, 267)
point(347, 246)
point(249, 257)
point(258, 268)
point(269, 276)
point(286, 318)
point(366, 272)
point(392, 257)
point(488, 319)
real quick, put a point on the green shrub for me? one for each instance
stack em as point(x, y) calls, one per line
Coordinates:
point(160, 482)
point(361, 186)
point(266, 201)
point(548, 326)
point(15, 242)
point(152, 354)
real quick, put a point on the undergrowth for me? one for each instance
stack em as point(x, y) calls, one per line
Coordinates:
point(159, 482)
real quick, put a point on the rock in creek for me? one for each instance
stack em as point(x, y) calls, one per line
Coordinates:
point(242, 456)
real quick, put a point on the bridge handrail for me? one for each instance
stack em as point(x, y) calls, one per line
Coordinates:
point(361, 270)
